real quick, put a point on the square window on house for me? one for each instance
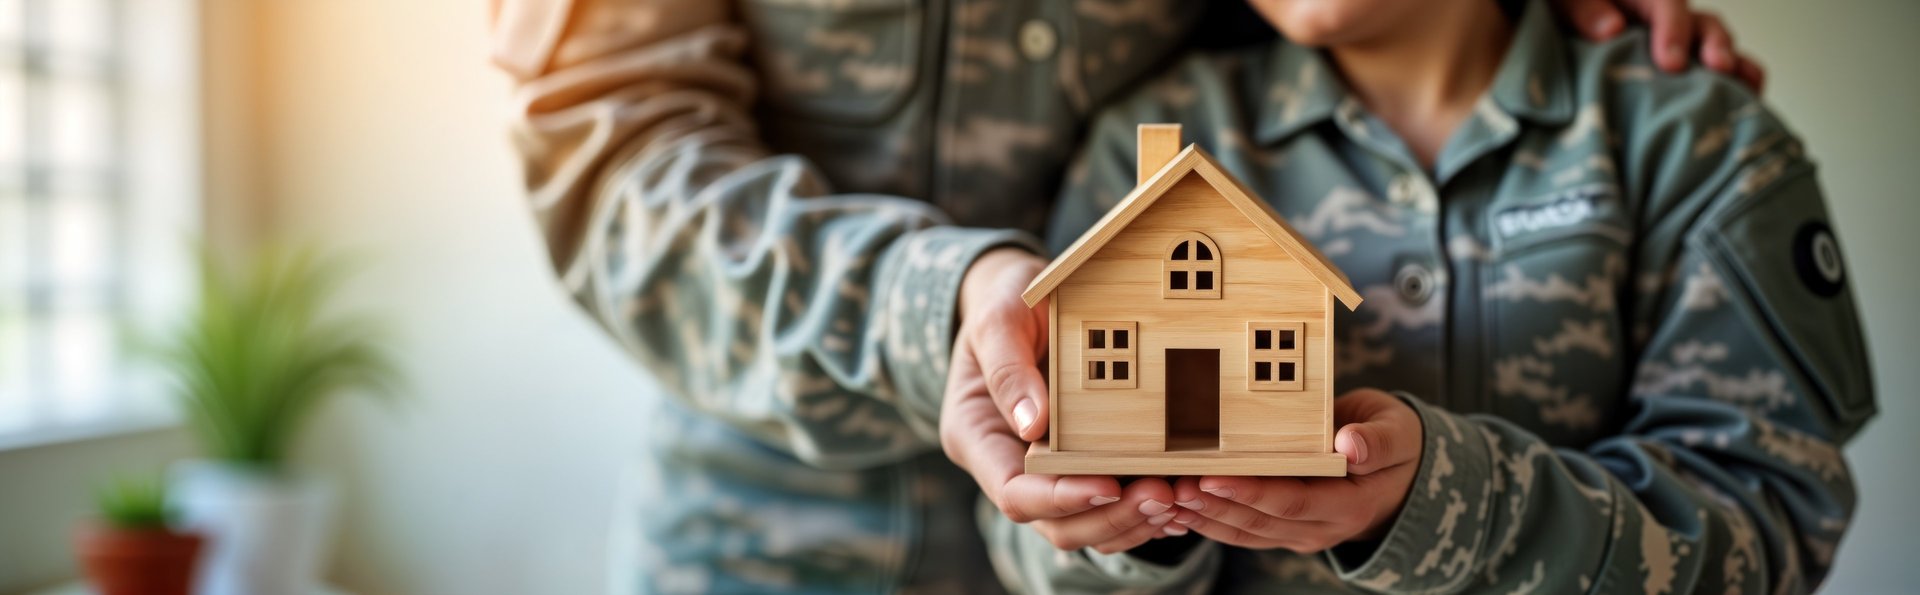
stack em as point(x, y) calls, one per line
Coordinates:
point(1263, 339)
point(1203, 280)
point(1109, 354)
point(1262, 371)
point(1286, 372)
point(1286, 339)
point(1177, 280)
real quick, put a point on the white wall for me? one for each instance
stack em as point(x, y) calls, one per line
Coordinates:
point(384, 128)
point(1843, 75)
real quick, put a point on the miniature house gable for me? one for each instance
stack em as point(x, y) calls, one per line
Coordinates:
point(1191, 161)
point(1191, 332)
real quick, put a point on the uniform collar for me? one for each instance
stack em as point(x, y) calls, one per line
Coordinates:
point(1532, 83)
point(1303, 90)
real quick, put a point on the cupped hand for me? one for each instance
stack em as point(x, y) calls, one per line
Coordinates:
point(1381, 438)
point(1677, 32)
point(994, 386)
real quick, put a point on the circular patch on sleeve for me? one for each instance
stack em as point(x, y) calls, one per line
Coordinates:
point(1816, 256)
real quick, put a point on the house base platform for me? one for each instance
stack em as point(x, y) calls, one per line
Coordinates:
point(1184, 459)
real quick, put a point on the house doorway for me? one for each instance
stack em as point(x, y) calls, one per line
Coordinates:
point(1193, 399)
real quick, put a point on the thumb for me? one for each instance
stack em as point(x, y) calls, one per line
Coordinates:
point(1383, 432)
point(1008, 348)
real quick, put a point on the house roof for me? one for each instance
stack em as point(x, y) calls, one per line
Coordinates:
point(1192, 160)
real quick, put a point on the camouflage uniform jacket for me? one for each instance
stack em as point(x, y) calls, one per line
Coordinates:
point(770, 204)
point(1615, 302)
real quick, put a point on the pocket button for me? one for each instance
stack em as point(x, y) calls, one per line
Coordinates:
point(1415, 283)
point(1038, 40)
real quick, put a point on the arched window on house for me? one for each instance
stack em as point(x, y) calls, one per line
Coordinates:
point(1193, 268)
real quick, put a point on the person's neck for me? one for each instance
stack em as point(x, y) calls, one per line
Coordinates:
point(1423, 80)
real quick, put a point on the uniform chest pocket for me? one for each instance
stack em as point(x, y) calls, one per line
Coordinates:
point(1551, 299)
point(1111, 45)
point(849, 61)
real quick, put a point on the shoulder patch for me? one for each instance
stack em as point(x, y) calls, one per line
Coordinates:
point(1816, 257)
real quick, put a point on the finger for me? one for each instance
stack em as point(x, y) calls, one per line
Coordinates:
point(1305, 538)
point(1716, 43)
point(1034, 497)
point(1275, 509)
point(1284, 498)
point(1597, 20)
point(972, 431)
point(1227, 534)
point(1672, 24)
point(975, 436)
point(1145, 502)
point(1380, 432)
point(1136, 536)
point(1335, 499)
point(1241, 516)
point(1186, 492)
point(1752, 73)
point(963, 406)
point(1006, 344)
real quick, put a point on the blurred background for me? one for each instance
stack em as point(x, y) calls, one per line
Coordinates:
point(127, 126)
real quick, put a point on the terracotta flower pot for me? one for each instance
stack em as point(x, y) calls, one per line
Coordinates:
point(137, 561)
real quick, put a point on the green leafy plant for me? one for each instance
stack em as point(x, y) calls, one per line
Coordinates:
point(133, 502)
point(259, 351)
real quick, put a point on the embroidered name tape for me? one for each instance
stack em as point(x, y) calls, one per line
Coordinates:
point(1570, 208)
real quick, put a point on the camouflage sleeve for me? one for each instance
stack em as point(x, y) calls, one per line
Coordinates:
point(818, 323)
point(1749, 374)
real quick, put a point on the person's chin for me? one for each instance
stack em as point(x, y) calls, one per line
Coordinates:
point(1320, 32)
point(1314, 37)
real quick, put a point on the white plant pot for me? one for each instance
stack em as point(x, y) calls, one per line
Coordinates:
point(266, 534)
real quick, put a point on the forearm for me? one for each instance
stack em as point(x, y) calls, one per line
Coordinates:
point(1494, 509)
point(819, 323)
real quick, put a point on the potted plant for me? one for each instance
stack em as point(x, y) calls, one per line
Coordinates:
point(257, 354)
point(131, 549)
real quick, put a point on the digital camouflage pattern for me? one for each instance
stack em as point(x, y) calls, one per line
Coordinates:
point(770, 204)
point(1615, 303)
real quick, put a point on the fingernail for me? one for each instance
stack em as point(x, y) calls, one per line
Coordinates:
point(1194, 504)
point(1220, 492)
point(1174, 531)
point(1184, 520)
point(1101, 500)
point(1153, 507)
point(1023, 414)
point(1359, 450)
point(1159, 519)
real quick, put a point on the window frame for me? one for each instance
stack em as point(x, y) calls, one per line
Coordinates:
point(1109, 357)
point(144, 184)
point(1190, 268)
point(1275, 356)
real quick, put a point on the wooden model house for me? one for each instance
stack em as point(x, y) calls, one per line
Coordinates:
point(1192, 332)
